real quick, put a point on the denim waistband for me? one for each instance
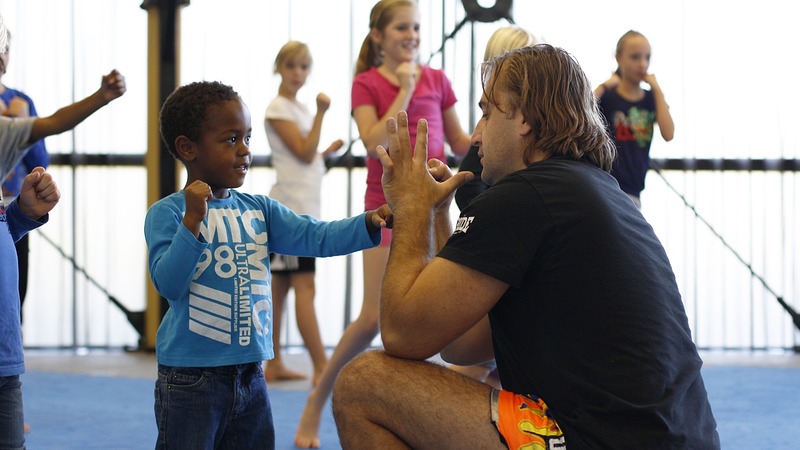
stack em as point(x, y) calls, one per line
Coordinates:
point(219, 370)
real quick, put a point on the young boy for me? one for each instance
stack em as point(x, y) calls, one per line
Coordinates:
point(209, 249)
point(38, 195)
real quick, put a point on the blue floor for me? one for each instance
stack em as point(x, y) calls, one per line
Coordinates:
point(68, 412)
point(755, 407)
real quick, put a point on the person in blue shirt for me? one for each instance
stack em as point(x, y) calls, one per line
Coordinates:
point(15, 103)
point(38, 195)
point(209, 249)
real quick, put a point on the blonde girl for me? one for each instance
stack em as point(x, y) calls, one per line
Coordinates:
point(293, 134)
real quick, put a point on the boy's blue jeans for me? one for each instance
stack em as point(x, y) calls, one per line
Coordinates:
point(213, 408)
point(12, 434)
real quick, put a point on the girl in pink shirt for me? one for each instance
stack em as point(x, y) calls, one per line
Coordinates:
point(388, 79)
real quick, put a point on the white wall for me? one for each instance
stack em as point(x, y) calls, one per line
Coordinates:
point(728, 69)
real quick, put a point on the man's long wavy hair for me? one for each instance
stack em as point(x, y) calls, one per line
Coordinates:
point(547, 85)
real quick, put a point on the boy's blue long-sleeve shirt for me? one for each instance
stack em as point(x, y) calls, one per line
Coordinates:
point(218, 285)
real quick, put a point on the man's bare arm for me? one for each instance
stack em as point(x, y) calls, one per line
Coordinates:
point(472, 347)
point(426, 302)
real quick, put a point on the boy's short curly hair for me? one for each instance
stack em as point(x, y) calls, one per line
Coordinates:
point(184, 111)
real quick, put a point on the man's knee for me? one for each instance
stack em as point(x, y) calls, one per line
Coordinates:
point(358, 378)
point(357, 374)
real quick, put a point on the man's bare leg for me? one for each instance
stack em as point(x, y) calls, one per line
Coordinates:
point(385, 402)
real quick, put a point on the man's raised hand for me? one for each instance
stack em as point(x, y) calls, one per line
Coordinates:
point(407, 179)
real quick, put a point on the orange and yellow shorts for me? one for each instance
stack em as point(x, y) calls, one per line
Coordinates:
point(524, 422)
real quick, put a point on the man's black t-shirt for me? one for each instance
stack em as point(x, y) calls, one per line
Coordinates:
point(592, 322)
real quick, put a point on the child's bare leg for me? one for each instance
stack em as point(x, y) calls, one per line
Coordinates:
point(274, 369)
point(357, 337)
point(304, 292)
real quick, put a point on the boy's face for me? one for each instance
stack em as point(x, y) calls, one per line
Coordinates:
point(221, 156)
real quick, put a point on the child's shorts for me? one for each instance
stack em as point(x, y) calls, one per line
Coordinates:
point(524, 422)
point(291, 264)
